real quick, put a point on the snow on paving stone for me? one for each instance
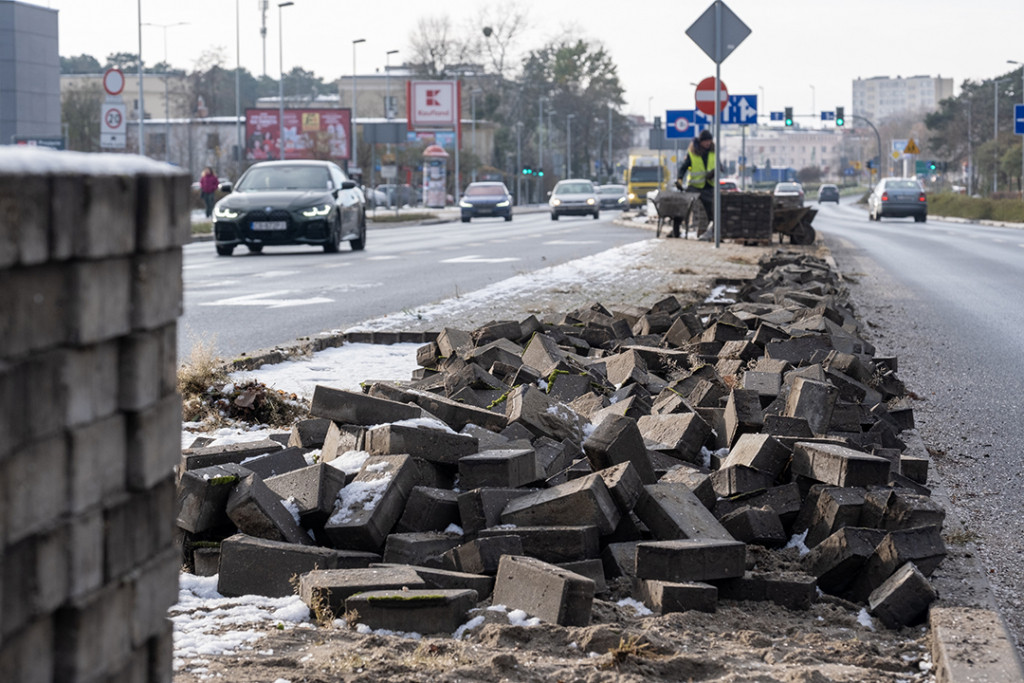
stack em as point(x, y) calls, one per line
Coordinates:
point(357, 497)
point(640, 608)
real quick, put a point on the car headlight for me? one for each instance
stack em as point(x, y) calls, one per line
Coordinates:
point(225, 212)
point(502, 204)
point(464, 204)
point(620, 200)
point(591, 201)
point(632, 196)
point(556, 202)
point(316, 211)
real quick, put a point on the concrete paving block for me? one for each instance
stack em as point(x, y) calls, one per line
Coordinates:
point(624, 484)
point(309, 433)
point(743, 414)
point(665, 597)
point(672, 511)
point(755, 525)
point(323, 589)
point(566, 387)
point(686, 560)
point(498, 468)
point(812, 401)
point(157, 289)
point(792, 590)
point(258, 511)
point(768, 385)
point(617, 439)
point(427, 611)
point(340, 439)
point(457, 415)
point(203, 497)
point(915, 468)
point(543, 416)
point(100, 300)
point(760, 452)
point(435, 445)
point(207, 560)
point(503, 351)
point(681, 435)
point(543, 590)
point(909, 510)
point(903, 599)
point(267, 465)
point(593, 569)
point(452, 342)
point(619, 559)
point(584, 501)
point(784, 501)
point(97, 462)
point(835, 508)
point(737, 480)
point(312, 488)
point(798, 350)
point(436, 577)
point(210, 456)
point(839, 560)
point(781, 427)
point(482, 507)
point(972, 644)
point(257, 566)
point(419, 547)
point(429, 509)
point(544, 354)
point(354, 407)
point(697, 480)
point(626, 367)
point(553, 456)
point(923, 546)
point(554, 544)
point(839, 465)
point(368, 507)
point(481, 555)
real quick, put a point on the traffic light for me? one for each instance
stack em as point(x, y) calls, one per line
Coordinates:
point(540, 172)
point(789, 116)
point(840, 119)
point(932, 166)
point(527, 170)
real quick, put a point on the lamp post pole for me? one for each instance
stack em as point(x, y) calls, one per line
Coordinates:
point(995, 133)
point(167, 108)
point(540, 149)
point(239, 146)
point(568, 144)
point(142, 102)
point(519, 163)
point(387, 83)
point(1011, 61)
point(355, 94)
point(611, 166)
point(280, 83)
point(472, 105)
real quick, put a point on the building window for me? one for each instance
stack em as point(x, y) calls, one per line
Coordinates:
point(156, 143)
point(213, 141)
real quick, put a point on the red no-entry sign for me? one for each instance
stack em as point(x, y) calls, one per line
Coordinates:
point(705, 96)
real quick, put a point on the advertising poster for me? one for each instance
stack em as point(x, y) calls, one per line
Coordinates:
point(308, 134)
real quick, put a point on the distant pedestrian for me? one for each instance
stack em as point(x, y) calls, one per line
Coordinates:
point(208, 185)
point(700, 162)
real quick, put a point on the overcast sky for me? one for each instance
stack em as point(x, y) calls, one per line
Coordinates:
point(801, 53)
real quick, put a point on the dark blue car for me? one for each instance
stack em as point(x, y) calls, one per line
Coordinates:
point(486, 199)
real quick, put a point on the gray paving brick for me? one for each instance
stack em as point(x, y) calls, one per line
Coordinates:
point(371, 504)
point(690, 560)
point(581, 501)
point(543, 590)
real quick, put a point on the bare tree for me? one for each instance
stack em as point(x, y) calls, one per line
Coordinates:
point(80, 111)
point(497, 30)
point(436, 49)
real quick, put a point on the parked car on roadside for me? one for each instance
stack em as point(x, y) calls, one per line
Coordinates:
point(789, 194)
point(574, 197)
point(613, 196)
point(728, 185)
point(290, 202)
point(486, 199)
point(828, 193)
point(896, 198)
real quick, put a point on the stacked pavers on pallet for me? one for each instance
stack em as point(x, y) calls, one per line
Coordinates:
point(532, 462)
point(90, 269)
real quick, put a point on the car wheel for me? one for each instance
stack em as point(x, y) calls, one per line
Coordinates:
point(334, 239)
point(508, 218)
point(597, 214)
point(465, 219)
point(225, 249)
point(254, 248)
point(920, 219)
point(554, 216)
point(359, 243)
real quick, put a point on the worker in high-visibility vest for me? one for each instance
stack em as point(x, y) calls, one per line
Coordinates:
point(700, 162)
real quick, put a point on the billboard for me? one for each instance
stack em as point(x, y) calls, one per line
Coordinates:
point(308, 134)
point(433, 104)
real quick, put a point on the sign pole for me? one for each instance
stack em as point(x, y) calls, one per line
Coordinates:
point(718, 121)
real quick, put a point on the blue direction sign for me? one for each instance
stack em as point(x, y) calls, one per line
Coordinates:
point(778, 116)
point(1018, 119)
point(741, 110)
point(828, 116)
point(682, 124)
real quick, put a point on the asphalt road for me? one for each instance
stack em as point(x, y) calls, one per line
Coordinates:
point(948, 299)
point(255, 301)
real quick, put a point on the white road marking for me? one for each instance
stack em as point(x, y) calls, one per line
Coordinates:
point(269, 300)
point(554, 242)
point(474, 258)
point(275, 273)
point(381, 258)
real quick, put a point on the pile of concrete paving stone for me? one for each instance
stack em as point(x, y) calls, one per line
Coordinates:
point(534, 464)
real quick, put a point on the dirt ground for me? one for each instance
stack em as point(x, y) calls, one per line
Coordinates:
point(741, 641)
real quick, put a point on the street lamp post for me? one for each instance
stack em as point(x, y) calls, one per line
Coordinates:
point(568, 144)
point(472, 105)
point(238, 90)
point(167, 108)
point(142, 101)
point(611, 166)
point(355, 136)
point(519, 163)
point(387, 83)
point(1011, 61)
point(280, 83)
point(812, 103)
point(540, 148)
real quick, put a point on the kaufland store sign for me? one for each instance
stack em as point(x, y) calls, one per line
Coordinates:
point(433, 104)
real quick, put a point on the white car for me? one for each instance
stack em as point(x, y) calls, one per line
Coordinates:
point(574, 197)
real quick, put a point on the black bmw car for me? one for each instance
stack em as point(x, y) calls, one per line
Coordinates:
point(486, 199)
point(290, 202)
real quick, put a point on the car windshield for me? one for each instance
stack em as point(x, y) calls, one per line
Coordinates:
point(485, 191)
point(611, 189)
point(787, 187)
point(645, 174)
point(298, 177)
point(574, 188)
point(901, 185)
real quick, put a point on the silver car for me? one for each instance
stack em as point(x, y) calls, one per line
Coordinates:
point(898, 197)
point(574, 197)
point(789, 194)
